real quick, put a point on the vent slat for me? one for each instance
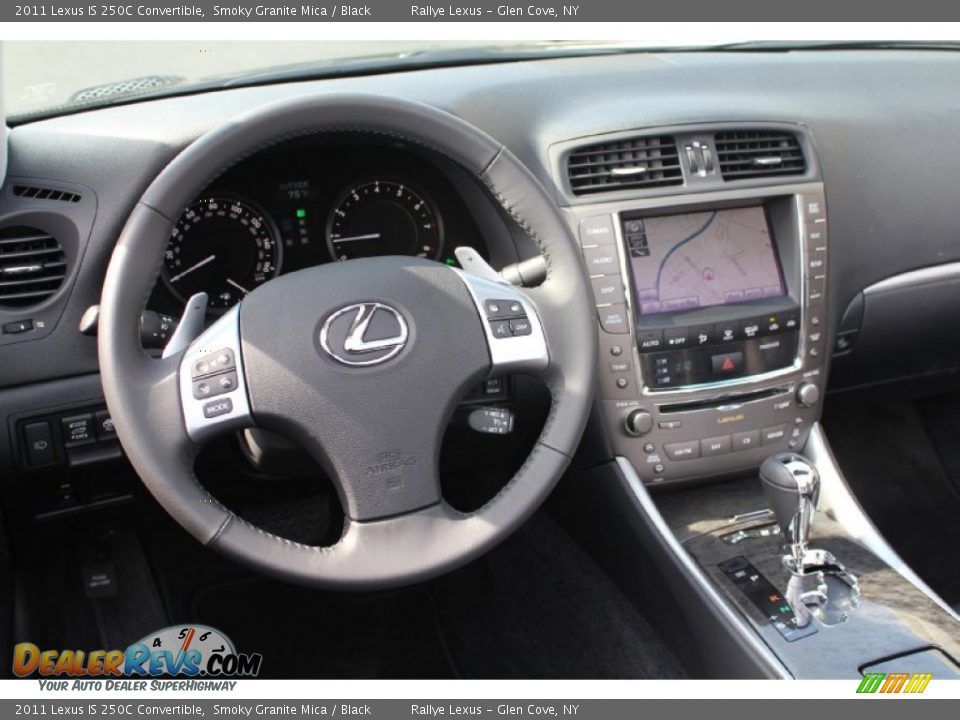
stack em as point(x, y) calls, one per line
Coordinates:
point(41, 193)
point(634, 163)
point(745, 154)
point(13, 283)
point(32, 266)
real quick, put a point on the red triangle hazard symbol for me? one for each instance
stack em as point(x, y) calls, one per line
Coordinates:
point(727, 364)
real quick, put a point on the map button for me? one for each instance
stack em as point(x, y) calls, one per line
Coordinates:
point(597, 230)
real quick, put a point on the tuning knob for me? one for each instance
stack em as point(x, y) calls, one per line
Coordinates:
point(639, 422)
point(808, 394)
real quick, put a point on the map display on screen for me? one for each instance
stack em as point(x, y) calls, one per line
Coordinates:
point(684, 262)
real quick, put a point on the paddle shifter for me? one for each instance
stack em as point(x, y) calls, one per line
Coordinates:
point(819, 585)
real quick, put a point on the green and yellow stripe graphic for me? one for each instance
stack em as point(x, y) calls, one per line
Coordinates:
point(894, 682)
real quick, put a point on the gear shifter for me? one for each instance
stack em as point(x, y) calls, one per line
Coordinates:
point(819, 585)
point(792, 487)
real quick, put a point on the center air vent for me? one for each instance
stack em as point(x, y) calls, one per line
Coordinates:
point(635, 163)
point(743, 154)
point(32, 266)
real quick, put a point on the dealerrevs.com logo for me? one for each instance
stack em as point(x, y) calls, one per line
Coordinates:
point(190, 651)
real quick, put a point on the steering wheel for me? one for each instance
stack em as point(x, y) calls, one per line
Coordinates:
point(360, 362)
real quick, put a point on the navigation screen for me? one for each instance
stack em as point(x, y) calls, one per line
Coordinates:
point(683, 262)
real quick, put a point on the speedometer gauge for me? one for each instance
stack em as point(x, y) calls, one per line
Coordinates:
point(383, 217)
point(222, 246)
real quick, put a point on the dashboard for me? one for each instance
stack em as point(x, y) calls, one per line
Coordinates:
point(308, 202)
point(719, 299)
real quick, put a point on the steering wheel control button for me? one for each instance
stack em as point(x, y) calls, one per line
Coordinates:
point(720, 445)
point(492, 421)
point(38, 442)
point(77, 430)
point(520, 327)
point(216, 408)
point(613, 319)
point(501, 329)
point(602, 260)
point(597, 230)
point(503, 309)
point(689, 450)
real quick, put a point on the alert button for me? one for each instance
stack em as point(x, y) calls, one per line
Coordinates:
point(726, 364)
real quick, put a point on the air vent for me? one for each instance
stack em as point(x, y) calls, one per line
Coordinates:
point(32, 266)
point(746, 154)
point(40, 193)
point(636, 163)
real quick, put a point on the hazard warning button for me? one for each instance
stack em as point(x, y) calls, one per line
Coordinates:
point(727, 363)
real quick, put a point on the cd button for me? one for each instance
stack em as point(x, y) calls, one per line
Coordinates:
point(746, 440)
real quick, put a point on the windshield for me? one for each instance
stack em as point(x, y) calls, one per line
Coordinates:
point(44, 78)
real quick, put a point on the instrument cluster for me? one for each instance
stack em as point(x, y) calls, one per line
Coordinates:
point(306, 203)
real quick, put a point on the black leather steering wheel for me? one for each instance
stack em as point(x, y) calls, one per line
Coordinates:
point(361, 362)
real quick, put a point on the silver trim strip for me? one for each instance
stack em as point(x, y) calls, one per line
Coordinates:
point(746, 632)
point(922, 276)
point(838, 501)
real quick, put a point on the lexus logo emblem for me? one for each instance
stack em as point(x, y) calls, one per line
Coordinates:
point(364, 334)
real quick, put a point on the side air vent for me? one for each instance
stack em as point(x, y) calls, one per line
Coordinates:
point(636, 163)
point(32, 266)
point(40, 193)
point(743, 154)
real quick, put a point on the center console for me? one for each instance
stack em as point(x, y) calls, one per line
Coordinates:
point(713, 325)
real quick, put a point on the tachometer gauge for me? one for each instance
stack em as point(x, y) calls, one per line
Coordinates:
point(383, 217)
point(222, 246)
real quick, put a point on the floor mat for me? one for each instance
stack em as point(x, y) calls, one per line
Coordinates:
point(308, 634)
point(539, 607)
point(896, 468)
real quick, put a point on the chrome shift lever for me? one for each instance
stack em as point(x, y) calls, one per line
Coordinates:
point(792, 486)
point(819, 585)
